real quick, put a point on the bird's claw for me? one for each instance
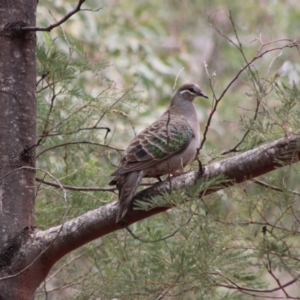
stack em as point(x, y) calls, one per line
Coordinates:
point(200, 167)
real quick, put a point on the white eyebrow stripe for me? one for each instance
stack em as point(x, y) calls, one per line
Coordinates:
point(187, 91)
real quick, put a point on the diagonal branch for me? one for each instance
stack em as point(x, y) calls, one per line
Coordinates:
point(65, 238)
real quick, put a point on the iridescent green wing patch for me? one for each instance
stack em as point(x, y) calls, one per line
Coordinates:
point(161, 140)
point(169, 140)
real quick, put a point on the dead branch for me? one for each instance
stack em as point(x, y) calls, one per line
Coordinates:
point(61, 21)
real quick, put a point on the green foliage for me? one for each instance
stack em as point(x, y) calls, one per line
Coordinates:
point(74, 130)
point(278, 114)
point(229, 245)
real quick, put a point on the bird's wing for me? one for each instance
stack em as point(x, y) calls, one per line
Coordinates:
point(158, 142)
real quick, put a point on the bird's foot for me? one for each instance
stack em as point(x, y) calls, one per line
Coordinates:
point(158, 178)
point(122, 223)
point(200, 167)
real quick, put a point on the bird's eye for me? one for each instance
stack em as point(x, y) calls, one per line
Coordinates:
point(191, 90)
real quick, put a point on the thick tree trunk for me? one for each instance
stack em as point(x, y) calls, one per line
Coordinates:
point(17, 142)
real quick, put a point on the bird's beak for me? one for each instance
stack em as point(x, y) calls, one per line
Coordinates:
point(202, 95)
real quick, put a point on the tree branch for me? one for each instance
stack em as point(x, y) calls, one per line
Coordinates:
point(80, 143)
point(75, 188)
point(62, 239)
point(61, 21)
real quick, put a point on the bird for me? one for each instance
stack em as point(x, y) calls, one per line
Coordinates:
point(166, 146)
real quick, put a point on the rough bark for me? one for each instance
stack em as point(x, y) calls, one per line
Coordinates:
point(47, 247)
point(17, 139)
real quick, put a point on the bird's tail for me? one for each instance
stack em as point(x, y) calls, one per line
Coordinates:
point(127, 185)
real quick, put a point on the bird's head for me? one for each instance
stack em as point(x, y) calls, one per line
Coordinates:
point(190, 91)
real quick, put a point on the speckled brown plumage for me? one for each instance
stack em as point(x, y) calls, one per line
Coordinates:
point(166, 146)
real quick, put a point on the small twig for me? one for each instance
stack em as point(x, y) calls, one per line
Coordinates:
point(214, 108)
point(168, 148)
point(79, 142)
point(248, 223)
point(75, 131)
point(113, 104)
point(42, 78)
point(71, 115)
point(150, 241)
point(49, 85)
point(158, 240)
point(75, 188)
point(53, 97)
point(268, 266)
point(176, 79)
point(234, 149)
point(245, 289)
point(61, 21)
point(271, 187)
point(38, 187)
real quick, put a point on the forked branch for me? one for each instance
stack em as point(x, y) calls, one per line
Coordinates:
point(62, 20)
